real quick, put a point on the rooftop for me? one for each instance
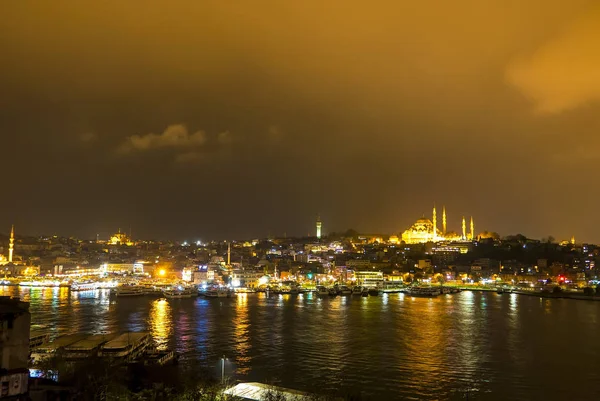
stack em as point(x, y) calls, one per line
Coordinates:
point(125, 339)
point(260, 391)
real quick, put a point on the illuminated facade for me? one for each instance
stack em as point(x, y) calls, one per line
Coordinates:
point(120, 238)
point(420, 232)
point(425, 230)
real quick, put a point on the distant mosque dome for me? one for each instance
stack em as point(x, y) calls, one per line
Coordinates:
point(425, 230)
point(421, 231)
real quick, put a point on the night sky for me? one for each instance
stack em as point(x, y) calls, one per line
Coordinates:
point(219, 119)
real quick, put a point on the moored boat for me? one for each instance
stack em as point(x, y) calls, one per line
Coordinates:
point(50, 349)
point(84, 286)
point(423, 291)
point(36, 340)
point(179, 293)
point(129, 291)
point(321, 290)
point(127, 346)
point(357, 290)
point(160, 358)
point(373, 291)
point(87, 347)
point(216, 293)
point(344, 290)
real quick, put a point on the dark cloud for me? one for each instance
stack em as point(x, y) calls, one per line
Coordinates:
point(563, 73)
point(365, 113)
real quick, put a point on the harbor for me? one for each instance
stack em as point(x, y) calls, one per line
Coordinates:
point(306, 340)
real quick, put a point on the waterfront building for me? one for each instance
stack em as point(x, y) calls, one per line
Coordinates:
point(203, 275)
point(369, 278)
point(119, 268)
point(15, 321)
point(247, 278)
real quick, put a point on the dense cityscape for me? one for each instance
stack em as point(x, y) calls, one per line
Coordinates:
point(423, 261)
point(299, 200)
point(419, 254)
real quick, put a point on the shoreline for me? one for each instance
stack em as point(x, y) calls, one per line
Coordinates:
point(561, 295)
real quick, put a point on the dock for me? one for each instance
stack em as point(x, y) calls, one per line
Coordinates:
point(260, 391)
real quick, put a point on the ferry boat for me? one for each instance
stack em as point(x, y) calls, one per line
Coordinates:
point(36, 340)
point(84, 286)
point(129, 291)
point(365, 292)
point(42, 283)
point(180, 293)
point(88, 347)
point(149, 289)
point(244, 290)
point(216, 293)
point(127, 346)
point(423, 292)
point(50, 349)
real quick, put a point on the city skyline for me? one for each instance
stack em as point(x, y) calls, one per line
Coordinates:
point(203, 119)
point(419, 232)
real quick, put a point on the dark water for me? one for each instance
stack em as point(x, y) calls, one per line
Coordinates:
point(486, 345)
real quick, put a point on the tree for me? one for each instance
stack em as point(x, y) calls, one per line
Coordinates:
point(350, 233)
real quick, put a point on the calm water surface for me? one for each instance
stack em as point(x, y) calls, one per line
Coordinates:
point(486, 345)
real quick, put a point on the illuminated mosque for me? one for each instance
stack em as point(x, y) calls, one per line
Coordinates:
point(120, 238)
point(425, 230)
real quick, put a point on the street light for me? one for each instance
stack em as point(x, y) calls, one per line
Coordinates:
point(223, 359)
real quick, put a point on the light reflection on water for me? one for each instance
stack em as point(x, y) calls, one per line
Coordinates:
point(160, 323)
point(493, 346)
point(241, 338)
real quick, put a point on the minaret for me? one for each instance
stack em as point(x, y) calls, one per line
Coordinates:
point(573, 240)
point(11, 244)
point(319, 227)
point(464, 229)
point(444, 219)
point(434, 224)
point(228, 253)
point(472, 229)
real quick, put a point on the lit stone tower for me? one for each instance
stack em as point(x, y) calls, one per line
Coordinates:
point(228, 253)
point(464, 228)
point(472, 229)
point(434, 224)
point(444, 220)
point(319, 227)
point(11, 244)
